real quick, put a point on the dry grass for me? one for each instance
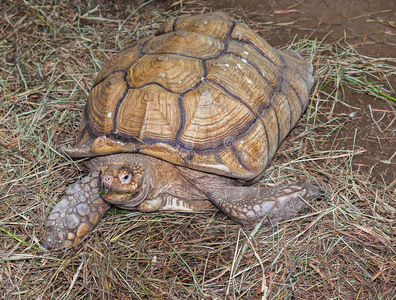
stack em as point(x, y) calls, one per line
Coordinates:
point(343, 247)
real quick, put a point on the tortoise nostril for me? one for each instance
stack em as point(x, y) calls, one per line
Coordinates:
point(107, 178)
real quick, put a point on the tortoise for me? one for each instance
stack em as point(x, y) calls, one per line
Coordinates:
point(187, 120)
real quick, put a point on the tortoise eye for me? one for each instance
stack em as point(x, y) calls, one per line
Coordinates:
point(126, 178)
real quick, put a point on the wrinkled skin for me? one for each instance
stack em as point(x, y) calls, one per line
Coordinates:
point(143, 183)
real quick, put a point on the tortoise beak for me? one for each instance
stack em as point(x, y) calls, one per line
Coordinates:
point(105, 187)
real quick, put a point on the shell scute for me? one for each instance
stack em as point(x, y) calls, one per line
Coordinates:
point(242, 81)
point(244, 34)
point(149, 113)
point(176, 73)
point(179, 42)
point(100, 114)
point(119, 63)
point(212, 117)
point(218, 25)
point(271, 73)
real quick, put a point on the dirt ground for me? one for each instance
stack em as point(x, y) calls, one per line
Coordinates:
point(342, 246)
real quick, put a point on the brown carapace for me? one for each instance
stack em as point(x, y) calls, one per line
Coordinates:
point(183, 120)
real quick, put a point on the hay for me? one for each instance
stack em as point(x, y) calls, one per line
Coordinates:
point(341, 247)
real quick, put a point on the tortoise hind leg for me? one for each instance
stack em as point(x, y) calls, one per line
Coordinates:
point(249, 205)
point(76, 215)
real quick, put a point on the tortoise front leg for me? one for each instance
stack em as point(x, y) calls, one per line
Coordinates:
point(76, 215)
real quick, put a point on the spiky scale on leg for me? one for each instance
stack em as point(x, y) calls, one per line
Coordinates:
point(75, 216)
point(249, 205)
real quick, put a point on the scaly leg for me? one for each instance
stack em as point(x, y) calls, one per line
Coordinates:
point(76, 215)
point(248, 205)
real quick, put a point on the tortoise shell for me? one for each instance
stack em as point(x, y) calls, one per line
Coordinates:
point(205, 92)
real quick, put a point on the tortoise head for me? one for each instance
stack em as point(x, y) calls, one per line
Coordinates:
point(123, 183)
